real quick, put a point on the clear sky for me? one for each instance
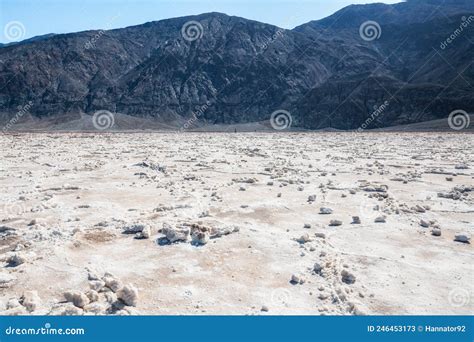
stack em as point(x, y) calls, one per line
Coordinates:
point(37, 17)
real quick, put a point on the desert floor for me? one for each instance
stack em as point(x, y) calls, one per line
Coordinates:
point(68, 198)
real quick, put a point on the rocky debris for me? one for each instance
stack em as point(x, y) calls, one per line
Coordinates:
point(461, 167)
point(325, 210)
point(456, 193)
point(106, 296)
point(436, 232)
point(217, 232)
point(134, 228)
point(199, 235)
point(178, 234)
point(323, 295)
point(30, 300)
point(451, 195)
point(78, 298)
point(190, 177)
point(95, 308)
point(214, 231)
point(96, 285)
point(420, 209)
point(92, 295)
point(245, 180)
point(400, 227)
point(128, 294)
point(91, 275)
point(424, 224)
point(355, 220)
point(144, 234)
point(110, 297)
point(303, 238)
point(111, 282)
point(380, 219)
point(141, 231)
point(7, 231)
point(297, 279)
point(317, 268)
point(374, 187)
point(379, 195)
point(335, 223)
point(462, 237)
point(162, 208)
point(152, 166)
point(463, 189)
point(320, 235)
point(347, 277)
point(16, 259)
point(66, 309)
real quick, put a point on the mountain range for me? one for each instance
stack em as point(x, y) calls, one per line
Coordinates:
point(408, 62)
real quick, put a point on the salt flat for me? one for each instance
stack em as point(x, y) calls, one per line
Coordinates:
point(231, 223)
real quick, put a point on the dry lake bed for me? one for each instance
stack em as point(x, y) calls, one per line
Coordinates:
point(244, 223)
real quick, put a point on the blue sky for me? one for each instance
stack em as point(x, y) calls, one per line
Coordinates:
point(37, 17)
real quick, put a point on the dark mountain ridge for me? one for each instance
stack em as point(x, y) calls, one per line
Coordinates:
point(324, 73)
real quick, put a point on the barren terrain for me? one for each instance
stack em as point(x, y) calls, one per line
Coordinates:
point(244, 223)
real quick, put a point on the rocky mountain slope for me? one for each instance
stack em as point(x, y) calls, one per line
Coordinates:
point(233, 70)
